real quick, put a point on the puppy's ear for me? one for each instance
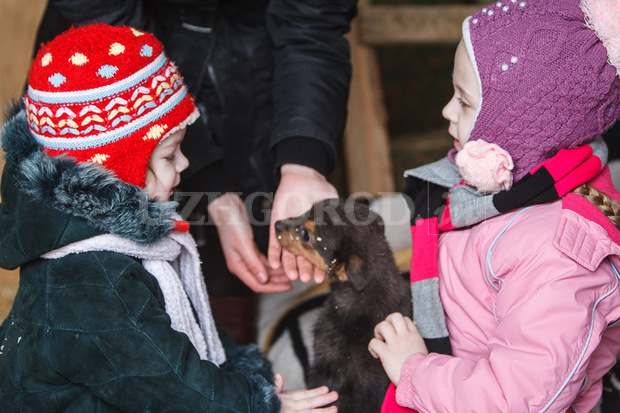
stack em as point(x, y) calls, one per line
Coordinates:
point(364, 216)
point(354, 270)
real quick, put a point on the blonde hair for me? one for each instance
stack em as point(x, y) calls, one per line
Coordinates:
point(607, 205)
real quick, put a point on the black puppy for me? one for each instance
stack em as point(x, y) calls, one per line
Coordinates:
point(347, 240)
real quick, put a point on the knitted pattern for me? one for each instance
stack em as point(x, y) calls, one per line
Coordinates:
point(106, 95)
point(544, 78)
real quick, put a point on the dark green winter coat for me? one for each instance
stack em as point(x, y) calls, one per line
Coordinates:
point(88, 332)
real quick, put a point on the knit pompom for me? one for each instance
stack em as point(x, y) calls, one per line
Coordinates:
point(485, 166)
point(603, 16)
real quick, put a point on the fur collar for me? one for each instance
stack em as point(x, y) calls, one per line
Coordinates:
point(82, 190)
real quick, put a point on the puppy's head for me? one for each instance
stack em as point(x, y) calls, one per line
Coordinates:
point(335, 235)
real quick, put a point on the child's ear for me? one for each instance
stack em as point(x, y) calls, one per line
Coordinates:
point(354, 270)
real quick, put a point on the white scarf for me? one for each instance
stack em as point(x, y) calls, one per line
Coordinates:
point(175, 263)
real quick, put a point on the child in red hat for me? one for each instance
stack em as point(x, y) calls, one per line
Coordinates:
point(112, 313)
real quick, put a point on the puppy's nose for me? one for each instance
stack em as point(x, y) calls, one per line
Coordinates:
point(280, 226)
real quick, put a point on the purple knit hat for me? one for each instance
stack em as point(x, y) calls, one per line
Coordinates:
point(545, 77)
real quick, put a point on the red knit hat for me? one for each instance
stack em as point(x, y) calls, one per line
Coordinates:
point(106, 95)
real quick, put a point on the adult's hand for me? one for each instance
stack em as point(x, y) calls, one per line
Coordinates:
point(243, 257)
point(300, 187)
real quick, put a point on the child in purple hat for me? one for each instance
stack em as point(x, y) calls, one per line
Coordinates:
point(516, 256)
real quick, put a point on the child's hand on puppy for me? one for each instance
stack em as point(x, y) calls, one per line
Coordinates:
point(304, 400)
point(396, 339)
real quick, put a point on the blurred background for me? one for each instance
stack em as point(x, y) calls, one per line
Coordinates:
point(18, 24)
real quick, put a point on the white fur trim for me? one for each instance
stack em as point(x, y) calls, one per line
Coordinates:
point(472, 57)
point(188, 121)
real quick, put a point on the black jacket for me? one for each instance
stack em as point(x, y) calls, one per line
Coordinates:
point(271, 79)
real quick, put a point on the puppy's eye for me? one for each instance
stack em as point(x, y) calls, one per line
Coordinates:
point(304, 234)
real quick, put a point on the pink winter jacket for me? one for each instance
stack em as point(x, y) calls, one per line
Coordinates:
point(532, 307)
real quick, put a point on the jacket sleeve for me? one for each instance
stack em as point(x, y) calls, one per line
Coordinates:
point(537, 354)
point(60, 15)
point(312, 74)
point(66, 13)
point(121, 347)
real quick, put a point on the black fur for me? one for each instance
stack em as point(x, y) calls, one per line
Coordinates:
point(250, 363)
point(365, 286)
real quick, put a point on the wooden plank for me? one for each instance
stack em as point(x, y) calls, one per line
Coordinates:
point(403, 258)
point(18, 25)
point(366, 141)
point(9, 281)
point(412, 24)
